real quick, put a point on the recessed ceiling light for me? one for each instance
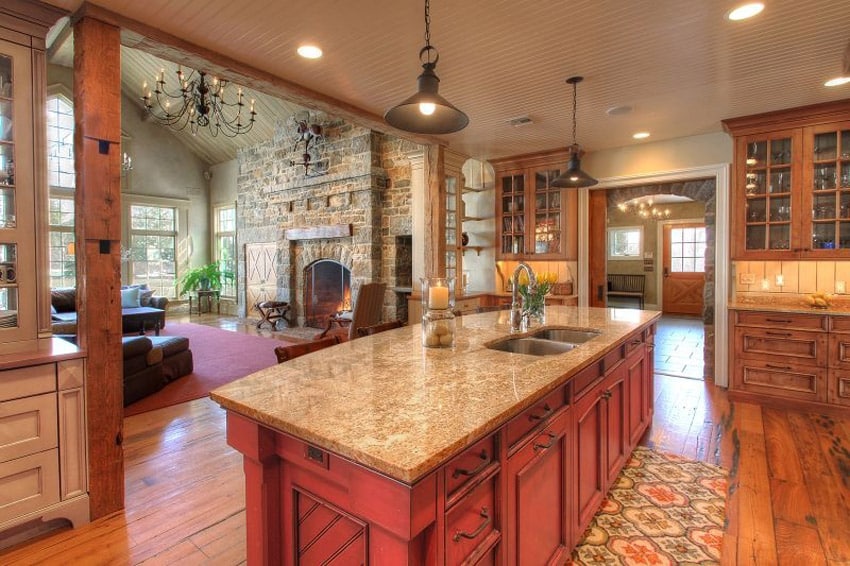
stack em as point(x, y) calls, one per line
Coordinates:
point(310, 51)
point(619, 110)
point(640, 135)
point(745, 11)
point(837, 81)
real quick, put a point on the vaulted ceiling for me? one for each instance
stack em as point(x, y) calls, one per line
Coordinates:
point(680, 66)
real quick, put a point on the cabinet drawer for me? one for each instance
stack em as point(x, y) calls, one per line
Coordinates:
point(796, 346)
point(839, 324)
point(782, 320)
point(28, 484)
point(23, 382)
point(470, 523)
point(586, 378)
point(476, 460)
point(790, 381)
point(467, 306)
point(535, 416)
point(27, 426)
point(839, 388)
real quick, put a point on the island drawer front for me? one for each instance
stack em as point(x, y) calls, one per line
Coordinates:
point(475, 461)
point(470, 522)
point(790, 381)
point(839, 388)
point(782, 320)
point(536, 416)
point(27, 426)
point(585, 379)
point(792, 346)
point(23, 382)
point(28, 484)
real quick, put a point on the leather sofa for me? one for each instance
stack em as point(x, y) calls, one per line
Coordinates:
point(149, 315)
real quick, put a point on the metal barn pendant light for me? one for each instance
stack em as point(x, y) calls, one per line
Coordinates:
point(574, 177)
point(426, 112)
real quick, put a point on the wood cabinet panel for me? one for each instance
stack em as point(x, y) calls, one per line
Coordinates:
point(28, 484)
point(538, 497)
point(23, 382)
point(72, 442)
point(790, 381)
point(637, 376)
point(616, 396)
point(27, 426)
point(588, 430)
point(781, 320)
point(785, 346)
point(839, 388)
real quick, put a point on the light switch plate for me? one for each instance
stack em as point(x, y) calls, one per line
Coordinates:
point(747, 278)
point(840, 287)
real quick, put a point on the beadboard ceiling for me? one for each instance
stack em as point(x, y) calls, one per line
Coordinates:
point(680, 66)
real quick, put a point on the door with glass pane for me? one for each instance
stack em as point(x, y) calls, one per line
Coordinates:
point(683, 269)
point(826, 183)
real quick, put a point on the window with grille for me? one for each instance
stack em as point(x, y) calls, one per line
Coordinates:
point(60, 142)
point(60, 167)
point(625, 242)
point(225, 246)
point(151, 258)
point(62, 246)
point(687, 250)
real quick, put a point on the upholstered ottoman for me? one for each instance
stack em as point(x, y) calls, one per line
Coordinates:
point(142, 368)
point(176, 356)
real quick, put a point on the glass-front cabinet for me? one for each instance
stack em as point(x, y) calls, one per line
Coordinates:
point(17, 199)
point(792, 184)
point(534, 219)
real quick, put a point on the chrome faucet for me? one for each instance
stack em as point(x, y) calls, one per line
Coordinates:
point(519, 319)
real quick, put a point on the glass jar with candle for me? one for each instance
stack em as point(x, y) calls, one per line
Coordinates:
point(438, 320)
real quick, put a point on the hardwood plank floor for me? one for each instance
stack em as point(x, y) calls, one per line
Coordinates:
point(788, 504)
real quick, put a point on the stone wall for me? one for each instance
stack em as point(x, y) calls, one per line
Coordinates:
point(367, 185)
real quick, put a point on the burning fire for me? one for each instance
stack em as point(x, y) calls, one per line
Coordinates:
point(345, 305)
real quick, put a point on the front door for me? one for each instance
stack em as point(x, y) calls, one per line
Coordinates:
point(683, 269)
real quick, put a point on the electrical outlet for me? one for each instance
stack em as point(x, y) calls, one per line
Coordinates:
point(839, 287)
point(747, 278)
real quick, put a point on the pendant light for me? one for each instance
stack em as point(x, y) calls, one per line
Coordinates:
point(574, 177)
point(426, 112)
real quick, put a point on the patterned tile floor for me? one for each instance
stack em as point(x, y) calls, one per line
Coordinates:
point(679, 347)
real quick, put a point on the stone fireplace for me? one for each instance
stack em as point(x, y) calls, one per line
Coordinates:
point(366, 189)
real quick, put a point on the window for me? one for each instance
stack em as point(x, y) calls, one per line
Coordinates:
point(60, 142)
point(625, 242)
point(687, 250)
point(60, 168)
point(152, 253)
point(225, 245)
point(62, 247)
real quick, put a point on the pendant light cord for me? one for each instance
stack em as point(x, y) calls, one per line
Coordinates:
point(575, 98)
point(427, 23)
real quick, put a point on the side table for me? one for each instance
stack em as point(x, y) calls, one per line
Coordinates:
point(209, 295)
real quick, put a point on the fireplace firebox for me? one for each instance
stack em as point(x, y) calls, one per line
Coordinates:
point(327, 290)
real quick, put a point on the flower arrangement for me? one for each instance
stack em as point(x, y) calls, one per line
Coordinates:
point(534, 297)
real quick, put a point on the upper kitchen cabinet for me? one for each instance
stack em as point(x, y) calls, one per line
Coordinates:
point(534, 220)
point(792, 183)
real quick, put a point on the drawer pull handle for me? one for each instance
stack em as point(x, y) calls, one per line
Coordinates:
point(783, 334)
point(487, 520)
point(606, 394)
point(547, 412)
point(485, 461)
point(772, 366)
point(779, 320)
point(551, 443)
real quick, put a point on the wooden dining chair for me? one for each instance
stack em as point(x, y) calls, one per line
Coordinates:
point(286, 353)
point(376, 328)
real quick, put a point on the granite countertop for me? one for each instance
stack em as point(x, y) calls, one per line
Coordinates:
point(392, 405)
point(839, 307)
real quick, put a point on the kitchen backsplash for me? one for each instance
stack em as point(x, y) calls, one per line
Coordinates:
point(789, 277)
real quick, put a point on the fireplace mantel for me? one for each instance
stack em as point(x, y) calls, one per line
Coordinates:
point(319, 232)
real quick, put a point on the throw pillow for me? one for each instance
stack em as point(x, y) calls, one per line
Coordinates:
point(145, 296)
point(130, 298)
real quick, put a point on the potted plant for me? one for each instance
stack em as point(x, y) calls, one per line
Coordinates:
point(205, 277)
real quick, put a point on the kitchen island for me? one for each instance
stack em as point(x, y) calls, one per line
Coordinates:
point(381, 451)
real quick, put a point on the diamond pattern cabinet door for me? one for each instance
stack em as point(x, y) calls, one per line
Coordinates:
point(260, 275)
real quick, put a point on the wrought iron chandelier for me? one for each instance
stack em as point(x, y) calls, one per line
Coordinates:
point(574, 177)
point(644, 209)
point(199, 103)
point(426, 112)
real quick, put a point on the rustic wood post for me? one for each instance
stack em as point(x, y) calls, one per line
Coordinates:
point(435, 211)
point(97, 151)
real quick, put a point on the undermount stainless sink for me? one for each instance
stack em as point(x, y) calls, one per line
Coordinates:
point(566, 335)
point(532, 346)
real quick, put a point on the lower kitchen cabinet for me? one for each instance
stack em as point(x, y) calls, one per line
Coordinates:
point(538, 476)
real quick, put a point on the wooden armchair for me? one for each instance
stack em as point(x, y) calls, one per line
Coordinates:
point(286, 353)
point(376, 328)
point(366, 312)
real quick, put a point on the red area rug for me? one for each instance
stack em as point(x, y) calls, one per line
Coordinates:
point(662, 510)
point(219, 356)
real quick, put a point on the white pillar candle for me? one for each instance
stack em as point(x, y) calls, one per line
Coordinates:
point(438, 297)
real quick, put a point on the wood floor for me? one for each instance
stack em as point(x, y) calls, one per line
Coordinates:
point(789, 499)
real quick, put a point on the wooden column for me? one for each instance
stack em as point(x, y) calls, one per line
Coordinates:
point(97, 136)
point(598, 256)
point(435, 212)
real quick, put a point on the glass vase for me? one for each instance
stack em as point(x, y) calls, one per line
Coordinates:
point(438, 328)
point(535, 313)
point(438, 293)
